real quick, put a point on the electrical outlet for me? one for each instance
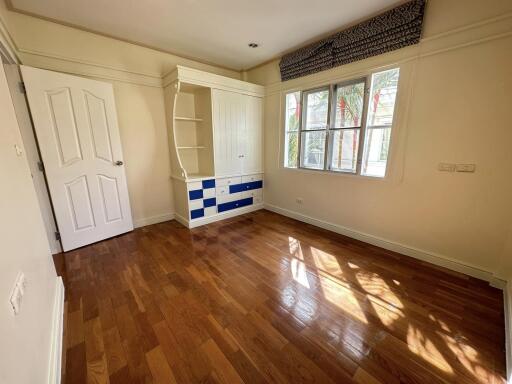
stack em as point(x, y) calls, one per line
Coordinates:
point(446, 167)
point(465, 168)
point(299, 200)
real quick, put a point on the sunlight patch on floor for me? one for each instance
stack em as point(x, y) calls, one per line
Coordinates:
point(342, 297)
point(326, 262)
point(470, 359)
point(423, 347)
point(299, 273)
point(374, 285)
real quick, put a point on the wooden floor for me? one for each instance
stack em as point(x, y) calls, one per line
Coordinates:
point(265, 299)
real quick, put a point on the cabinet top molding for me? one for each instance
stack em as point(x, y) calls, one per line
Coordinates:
point(206, 79)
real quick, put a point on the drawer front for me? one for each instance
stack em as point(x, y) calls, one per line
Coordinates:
point(220, 191)
point(208, 193)
point(196, 213)
point(228, 181)
point(228, 197)
point(234, 204)
point(246, 186)
point(249, 178)
point(195, 204)
point(207, 184)
point(194, 185)
point(256, 194)
point(210, 211)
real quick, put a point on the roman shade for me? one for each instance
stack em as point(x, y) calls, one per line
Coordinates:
point(394, 29)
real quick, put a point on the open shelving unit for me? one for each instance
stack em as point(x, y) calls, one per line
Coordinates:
point(192, 133)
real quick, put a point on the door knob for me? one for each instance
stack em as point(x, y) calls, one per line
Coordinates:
point(119, 163)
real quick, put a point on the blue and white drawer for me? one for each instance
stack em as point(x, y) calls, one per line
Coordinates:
point(209, 197)
point(238, 192)
point(201, 198)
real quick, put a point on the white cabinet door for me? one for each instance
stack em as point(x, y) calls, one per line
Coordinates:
point(76, 126)
point(228, 123)
point(252, 137)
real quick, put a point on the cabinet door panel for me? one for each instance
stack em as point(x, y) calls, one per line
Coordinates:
point(228, 123)
point(252, 142)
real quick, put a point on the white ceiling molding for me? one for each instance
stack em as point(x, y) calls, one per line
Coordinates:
point(214, 32)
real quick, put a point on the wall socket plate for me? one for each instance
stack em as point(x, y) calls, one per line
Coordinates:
point(465, 168)
point(299, 200)
point(446, 167)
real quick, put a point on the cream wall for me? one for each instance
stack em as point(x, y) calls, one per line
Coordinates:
point(453, 106)
point(25, 338)
point(136, 74)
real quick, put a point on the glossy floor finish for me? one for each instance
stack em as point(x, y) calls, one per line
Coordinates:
point(266, 299)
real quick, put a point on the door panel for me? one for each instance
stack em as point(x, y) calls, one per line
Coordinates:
point(79, 199)
point(252, 144)
point(64, 126)
point(110, 198)
point(98, 123)
point(228, 119)
point(76, 126)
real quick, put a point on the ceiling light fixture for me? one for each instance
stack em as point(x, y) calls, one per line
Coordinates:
point(253, 45)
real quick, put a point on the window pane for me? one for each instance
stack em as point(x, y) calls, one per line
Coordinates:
point(313, 144)
point(380, 117)
point(345, 143)
point(375, 155)
point(349, 106)
point(291, 149)
point(316, 109)
point(292, 111)
point(382, 97)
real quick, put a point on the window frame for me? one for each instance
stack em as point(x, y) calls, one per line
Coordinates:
point(303, 119)
point(332, 87)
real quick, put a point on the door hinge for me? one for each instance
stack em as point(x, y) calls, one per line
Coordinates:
point(22, 87)
point(57, 235)
point(40, 165)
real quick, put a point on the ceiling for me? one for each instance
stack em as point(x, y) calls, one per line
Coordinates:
point(214, 31)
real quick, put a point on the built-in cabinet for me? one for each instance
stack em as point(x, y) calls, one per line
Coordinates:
point(216, 145)
point(238, 133)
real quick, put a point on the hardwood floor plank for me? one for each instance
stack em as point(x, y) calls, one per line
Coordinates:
point(262, 298)
point(160, 370)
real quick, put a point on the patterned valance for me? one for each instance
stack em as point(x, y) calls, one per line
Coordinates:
point(394, 29)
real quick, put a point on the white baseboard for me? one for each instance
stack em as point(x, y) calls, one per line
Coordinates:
point(436, 259)
point(55, 369)
point(220, 216)
point(153, 220)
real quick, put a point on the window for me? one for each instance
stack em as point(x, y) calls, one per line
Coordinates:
point(342, 127)
point(292, 121)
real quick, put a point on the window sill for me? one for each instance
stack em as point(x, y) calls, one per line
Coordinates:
point(336, 173)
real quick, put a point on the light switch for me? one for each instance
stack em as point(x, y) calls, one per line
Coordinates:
point(446, 167)
point(466, 167)
point(17, 293)
point(18, 149)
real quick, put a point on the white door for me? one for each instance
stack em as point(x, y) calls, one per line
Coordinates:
point(76, 126)
point(228, 121)
point(251, 142)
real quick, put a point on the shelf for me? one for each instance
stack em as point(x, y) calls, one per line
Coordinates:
point(193, 147)
point(188, 119)
point(199, 176)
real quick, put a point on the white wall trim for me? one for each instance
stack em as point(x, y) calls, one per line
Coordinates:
point(7, 45)
point(55, 362)
point(153, 220)
point(431, 257)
